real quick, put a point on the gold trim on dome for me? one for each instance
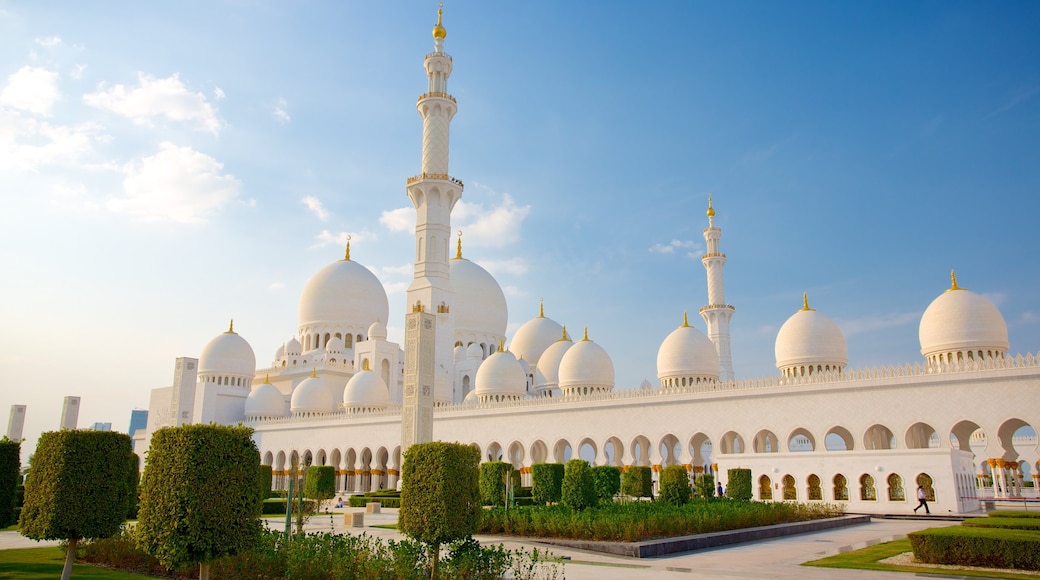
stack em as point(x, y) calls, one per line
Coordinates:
point(346, 255)
point(711, 210)
point(314, 372)
point(439, 30)
point(685, 320)
point(805, 302)
point(231, 327)
point(541, 308)
point(364, 365)
point(501, 345)
point(458, 247)
point(586, 337)
point(267, 379)
point(565, 337)
point(953, 282)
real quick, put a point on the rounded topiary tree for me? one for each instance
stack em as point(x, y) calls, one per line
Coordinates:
point(199, 498)
point(320, 484)
point(637, 481)
point(79, 486)
point(440, 497)
point(739, 483)
point(607, 480)
point(10, 471)
point(546, 482)
point(705, 485)
point(493, 476)
point(579, 490)
point(675, 485)
point(265, 477)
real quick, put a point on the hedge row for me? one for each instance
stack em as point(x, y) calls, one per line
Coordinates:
point(276, 506)
point(967, 546)
point(1004, 523)
point(384, 501)
point(637, 481)
point(1014, 514)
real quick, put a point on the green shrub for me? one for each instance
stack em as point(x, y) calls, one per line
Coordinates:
point(1004, 522)
point(637, 481)
point(1013, 514)
point(264, 479)
point(493, 482)
point(10, 467)
point(704, 485)
point(276, 505)
point(547, 482)
point(607, 480)
point(987, 547)
point(739, 487)
point(578, 490)
point(199, 497)
point(675, 485)
point(521, 492)
point(320, 483)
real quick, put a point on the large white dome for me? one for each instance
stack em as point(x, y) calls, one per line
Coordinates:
point(586, 368)
point(228, 354)
point(811, 340)
point(536, 335)
point(480, 305)
point(547, 373)
point(365, 390)
point(959, 322)
point(265, 401)
point(312, 395)
point(687, 354)
point(500, 375)
point(345, 295)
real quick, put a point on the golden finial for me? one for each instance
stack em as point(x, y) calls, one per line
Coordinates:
point(541, 308)
point(439, 31)
point(364, 366)
point(711, 210)
point(805, 302)
point(314, 372)
point(953, 281)
point(267, 379)
point(564, 337)
point(501, 345)
point(347, 255)
point(231, 327)
point(586, 337)
point(458, 247)
point(685, 320)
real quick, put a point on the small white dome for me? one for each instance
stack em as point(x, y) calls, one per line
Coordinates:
point(501, 375)
point(586, 367)
point(474, 351)
point(228, 354)
point(536, 335)
point(366, 390)
point(377, 331)
point(470, 398)
point(547, 373)
point(312, 395)
point(810, 339)
point(687, 353)
point(265, 401)
point(344, 295)
point(293, 347)
point(458, 354)
point(480, 306)
point(334, 345)
point(280, 352)
point(961, 321)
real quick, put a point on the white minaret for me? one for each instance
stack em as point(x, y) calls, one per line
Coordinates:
point(434, 193)
point(717, 313)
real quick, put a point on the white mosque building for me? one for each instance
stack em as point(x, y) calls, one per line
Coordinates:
point(817, 431)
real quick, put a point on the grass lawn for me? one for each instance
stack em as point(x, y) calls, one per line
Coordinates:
point(46, 564)
point(867, 559)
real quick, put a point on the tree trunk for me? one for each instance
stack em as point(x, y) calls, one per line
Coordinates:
point(70, 557)
point(435, 554)
point(203, 571)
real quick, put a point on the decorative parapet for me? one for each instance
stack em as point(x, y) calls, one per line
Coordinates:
point(430, 55)
point(716, 307)
point(440, 176)
point(713, 255)
point(436, 95)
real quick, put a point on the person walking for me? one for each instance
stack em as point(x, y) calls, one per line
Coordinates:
point(922, 500)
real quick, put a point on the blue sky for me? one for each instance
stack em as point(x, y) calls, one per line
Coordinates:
point(167, 166)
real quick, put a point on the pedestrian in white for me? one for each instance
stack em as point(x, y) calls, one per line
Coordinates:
point(922, 500)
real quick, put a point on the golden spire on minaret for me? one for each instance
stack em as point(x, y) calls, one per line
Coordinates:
point(685, 320)
point(458, 247)
point(711, 210)
point(346, 256)
point(439, 31)
point(586, 337)
point(953, 281)
point(541, 308)
point(231, 327)
point(805, 302)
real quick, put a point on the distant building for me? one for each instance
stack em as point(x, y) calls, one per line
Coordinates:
point(70, 413)
point(101, 427)
point(16, 423)
point(138, 420)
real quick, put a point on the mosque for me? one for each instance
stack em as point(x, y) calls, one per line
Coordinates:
point(960, 421)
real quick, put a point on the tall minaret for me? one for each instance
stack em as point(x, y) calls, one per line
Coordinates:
point(717, 313)
point(434, 193)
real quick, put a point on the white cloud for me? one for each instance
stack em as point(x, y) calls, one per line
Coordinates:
point(1029, 317)
point(77, 71)
point(31, 89)
point(281, 111)
point(997, 298)
point(26, 144)
point(275, 286)
point(49, 41)
point(401, 219)
point(671, 246)
point(871, 323)
point(396, 288)
point(515, 266)
point(326, 238)
point(157, 98)
point(402, 270)
point(513, 291)
point(177, 184)
point(495, 226)
point(218, 94)
point(316, 207)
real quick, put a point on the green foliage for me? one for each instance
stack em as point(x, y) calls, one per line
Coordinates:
point(276, 505)
point(1009, 523)
point(1013, 514)
point(640, 520)
point(704, 485)
point(578, 490)
point(988, 547)
point(547, 482)
point(386, 498)
point(675, 485)
point(637, 481)
point(10, 468)
point(492, 482)
point(739, 484)
point(320, 482)
point(78, 486)
point(264, 478)
point(199, 497)
point(440, 499)
point(133, 480)
point(607, 480)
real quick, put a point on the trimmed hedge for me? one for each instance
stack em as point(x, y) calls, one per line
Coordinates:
point(492, 482)
point(276, 505)
point(607, 480)
point(704, 485)
point(440, 497)
point(547, 482)
point(579, 490)
point(739, 487)
point(384, 501)
point(264, 479)
point(1004, 522)
point(637, 481)
point(10, 466)
point(320, 482)
point(1013, 514)
point(675, 485)
point(967, 546)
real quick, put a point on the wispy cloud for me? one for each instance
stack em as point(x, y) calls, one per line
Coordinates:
point(218, 94)
point(276, 286)
point(327, 238)
point(1029, 317)
point(402, 270)
point(1016, 98)
point(316, 207)
point(49, 41)
point(515, 266)
point(31, 89)
point(177, 184)
point(672, 246)
point(853, 326)
point(26, 143)
point(493, 225)
point(997, 298)
point(401, 219)
point(154, 97)
point(513, 291)
point(281, 111)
